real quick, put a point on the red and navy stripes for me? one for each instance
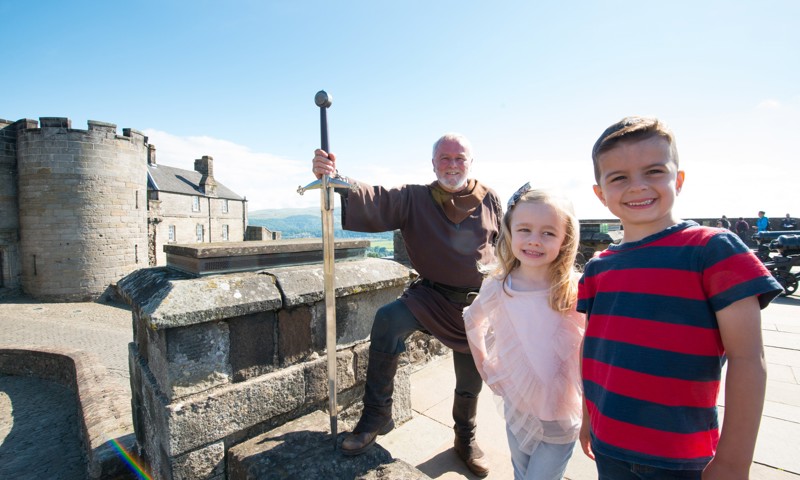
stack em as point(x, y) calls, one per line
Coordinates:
point(653, 354)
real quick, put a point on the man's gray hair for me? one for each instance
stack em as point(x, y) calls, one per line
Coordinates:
point(456, 137)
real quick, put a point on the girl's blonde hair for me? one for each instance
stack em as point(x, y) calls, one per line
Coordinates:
point(563, 281)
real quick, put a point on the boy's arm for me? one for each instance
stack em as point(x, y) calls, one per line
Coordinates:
point(584, 438)
point(745, 384)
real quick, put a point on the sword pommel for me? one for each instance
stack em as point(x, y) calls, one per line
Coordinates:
point(323, 99)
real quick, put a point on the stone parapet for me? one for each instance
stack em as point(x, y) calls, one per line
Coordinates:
point(102, 423)
point(220, 359)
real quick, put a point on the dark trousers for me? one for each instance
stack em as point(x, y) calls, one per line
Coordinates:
point(609, 468)
point(393, 324)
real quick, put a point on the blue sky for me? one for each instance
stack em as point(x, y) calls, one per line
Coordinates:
point(531, 83)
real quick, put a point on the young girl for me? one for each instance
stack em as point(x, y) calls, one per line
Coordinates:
point(525, 333)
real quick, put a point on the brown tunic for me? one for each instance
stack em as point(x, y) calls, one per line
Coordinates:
point(439, 250)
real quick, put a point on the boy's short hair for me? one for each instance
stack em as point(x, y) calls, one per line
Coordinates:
point(632, 129)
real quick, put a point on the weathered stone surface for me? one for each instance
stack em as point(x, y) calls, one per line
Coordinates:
point(179, 301)
point(197, 358)
point(395, 470)
point(294, 335)
point(204, 463)
point(303, 449)
point(188, 360)
point(214, 414)
point(305, 285)
point(356, 312)
point(316, 373)
point(253, 350)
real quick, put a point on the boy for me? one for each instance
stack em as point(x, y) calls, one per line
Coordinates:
point(665, 308)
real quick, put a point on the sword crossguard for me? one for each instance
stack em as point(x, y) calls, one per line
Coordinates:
point(332, 182)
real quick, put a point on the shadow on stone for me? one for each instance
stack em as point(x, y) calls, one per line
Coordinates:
point(303, 449)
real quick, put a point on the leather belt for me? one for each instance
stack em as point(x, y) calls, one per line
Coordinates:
point(463, 295)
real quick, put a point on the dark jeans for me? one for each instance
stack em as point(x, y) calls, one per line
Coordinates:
point(609, 468)
point(394, 322)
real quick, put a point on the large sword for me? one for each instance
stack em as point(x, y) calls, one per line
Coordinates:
point(326, 185)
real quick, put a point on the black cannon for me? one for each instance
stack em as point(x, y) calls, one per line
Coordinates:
point(762, 240)
point(787, 247)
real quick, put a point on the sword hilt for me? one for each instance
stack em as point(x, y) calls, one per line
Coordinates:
point(324, 100)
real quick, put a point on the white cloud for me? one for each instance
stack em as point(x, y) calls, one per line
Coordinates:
point(769, 104)
point(266, 180)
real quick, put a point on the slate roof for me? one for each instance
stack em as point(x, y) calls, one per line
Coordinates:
point(187, 182)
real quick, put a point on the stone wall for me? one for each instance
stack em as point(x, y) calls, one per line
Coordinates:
point(82, 208)
point(99, 401)
point(221, 359)
point(10, 270)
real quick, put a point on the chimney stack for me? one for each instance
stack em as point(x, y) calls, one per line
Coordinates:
point(205, 166)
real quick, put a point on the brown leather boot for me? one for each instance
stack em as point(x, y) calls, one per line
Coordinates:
point(376, 419)
point(465, 410)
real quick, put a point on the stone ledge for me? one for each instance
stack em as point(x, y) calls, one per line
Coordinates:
point(305, 285)
point(101, 420)
point(165, 298)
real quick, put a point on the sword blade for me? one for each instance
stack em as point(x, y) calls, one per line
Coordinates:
point(326, 204)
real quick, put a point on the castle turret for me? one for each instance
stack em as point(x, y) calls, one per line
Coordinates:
point(82, 207)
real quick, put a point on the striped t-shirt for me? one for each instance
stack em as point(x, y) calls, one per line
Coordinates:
point(652, 353)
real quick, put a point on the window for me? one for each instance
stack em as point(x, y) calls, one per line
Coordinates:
point(225, 232)
point(199, 232)
point(224, 206)
point(172, 233)
point(195, 203)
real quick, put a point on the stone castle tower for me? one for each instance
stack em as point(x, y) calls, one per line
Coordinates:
point(73, 207)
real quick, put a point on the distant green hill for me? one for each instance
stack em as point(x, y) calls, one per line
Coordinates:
point(305, 223)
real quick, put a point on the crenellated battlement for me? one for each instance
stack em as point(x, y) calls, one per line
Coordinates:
point(64, 125)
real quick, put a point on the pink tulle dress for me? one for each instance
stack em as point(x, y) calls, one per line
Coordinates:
point(528, 354)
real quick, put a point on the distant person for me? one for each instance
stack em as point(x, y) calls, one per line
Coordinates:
point(449, 227)
point(742, 229)
point(762, 223)
point(725, 222)
point(525, 333)
point(665, 309)
point(788, 223)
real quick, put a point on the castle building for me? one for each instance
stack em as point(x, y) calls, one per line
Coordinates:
point(80, 209)
point(190, 207)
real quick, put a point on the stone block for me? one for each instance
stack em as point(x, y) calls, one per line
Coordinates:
point(187, 360)
point(197, 359)
point(205, 463)
point(316, 375)
point(355, 313)
point(253, 347)
point(294, 335)
point(166, 298)
point(304, 285)
point(204, 418)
